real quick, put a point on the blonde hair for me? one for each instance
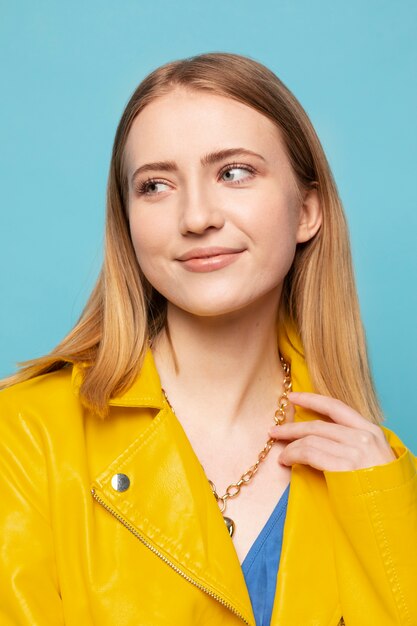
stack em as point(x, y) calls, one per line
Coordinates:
point(319, 296)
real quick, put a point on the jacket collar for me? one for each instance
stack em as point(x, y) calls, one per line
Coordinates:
point(146, 389)
point(292, 350)
point(144, 392)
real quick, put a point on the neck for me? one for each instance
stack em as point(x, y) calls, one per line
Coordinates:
point(229, 365)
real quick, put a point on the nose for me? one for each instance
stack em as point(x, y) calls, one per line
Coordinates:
point(199, 211)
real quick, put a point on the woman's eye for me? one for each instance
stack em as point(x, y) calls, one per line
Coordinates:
point(152, 187)
point(237, 174)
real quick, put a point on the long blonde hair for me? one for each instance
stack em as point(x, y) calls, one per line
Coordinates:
point(319, 296)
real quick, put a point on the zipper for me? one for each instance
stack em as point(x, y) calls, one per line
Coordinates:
point(164, 559)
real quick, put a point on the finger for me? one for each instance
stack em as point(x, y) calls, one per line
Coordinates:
point(311, 450)
point(337, 410)
point(331, 431)
point(329, 456)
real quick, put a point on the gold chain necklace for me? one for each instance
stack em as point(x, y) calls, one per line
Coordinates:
point(233, 490)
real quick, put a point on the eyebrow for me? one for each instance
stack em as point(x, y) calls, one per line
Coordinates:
point(208, 159)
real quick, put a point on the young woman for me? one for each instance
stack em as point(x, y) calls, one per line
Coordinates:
point(156, 468)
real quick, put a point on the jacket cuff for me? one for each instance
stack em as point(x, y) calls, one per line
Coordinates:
point(378, 478)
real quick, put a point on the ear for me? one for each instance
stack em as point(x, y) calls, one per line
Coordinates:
point(310, 216)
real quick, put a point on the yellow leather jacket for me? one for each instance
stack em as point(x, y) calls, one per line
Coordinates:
point(113, 522)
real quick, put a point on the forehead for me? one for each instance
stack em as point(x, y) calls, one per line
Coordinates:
point(186, 123)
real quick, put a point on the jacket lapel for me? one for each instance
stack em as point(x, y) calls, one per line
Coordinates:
point(169, 502)
point(306, 587)
point(307, 591)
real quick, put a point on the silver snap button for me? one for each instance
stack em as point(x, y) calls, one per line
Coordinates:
point(120, 482)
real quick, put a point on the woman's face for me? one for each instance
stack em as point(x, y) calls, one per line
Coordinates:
point(214, 210)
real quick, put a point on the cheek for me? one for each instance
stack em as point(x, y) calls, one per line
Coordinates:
point(276, 230)
point(276, 225)
point(149, 238)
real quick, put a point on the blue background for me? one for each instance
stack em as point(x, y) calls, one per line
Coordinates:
point(67, 70)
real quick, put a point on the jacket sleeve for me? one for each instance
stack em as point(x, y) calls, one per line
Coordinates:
point(375, 536)
point(29, 591)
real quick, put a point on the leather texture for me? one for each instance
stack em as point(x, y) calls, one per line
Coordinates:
point(76, 550)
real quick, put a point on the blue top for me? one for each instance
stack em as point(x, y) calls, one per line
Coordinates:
point(260, 567)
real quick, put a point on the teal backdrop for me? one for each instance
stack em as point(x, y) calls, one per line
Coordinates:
point(67, 70)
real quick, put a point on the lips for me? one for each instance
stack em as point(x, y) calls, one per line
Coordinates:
point(206, 260)
point(205, 253)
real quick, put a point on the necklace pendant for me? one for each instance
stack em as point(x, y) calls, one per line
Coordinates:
point(229, 524)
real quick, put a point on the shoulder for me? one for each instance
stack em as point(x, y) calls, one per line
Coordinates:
point(395, 442)
point(59, 380)
point(41, 432)
point(41, 399)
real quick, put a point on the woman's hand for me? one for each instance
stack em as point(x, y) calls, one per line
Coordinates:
point(350, 443)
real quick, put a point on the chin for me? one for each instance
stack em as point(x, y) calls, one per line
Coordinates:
point(216, 307)
point(212, 309)
point(221, 303)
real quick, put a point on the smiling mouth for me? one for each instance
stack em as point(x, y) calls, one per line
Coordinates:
point(209, 260)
